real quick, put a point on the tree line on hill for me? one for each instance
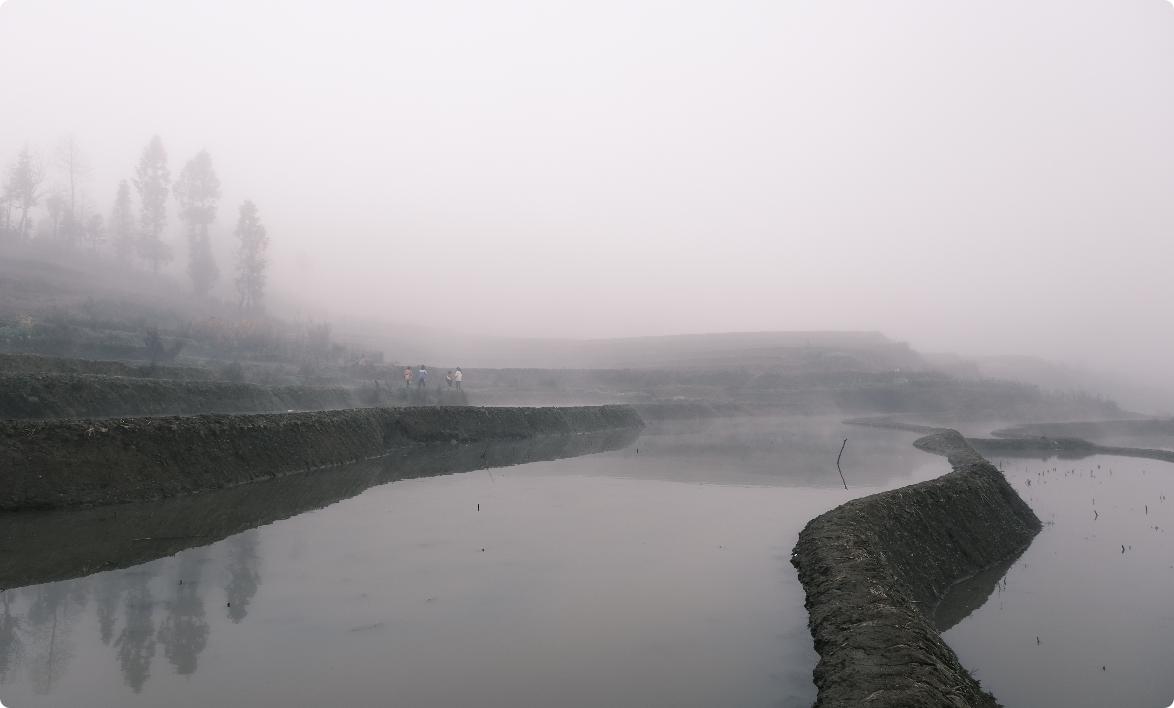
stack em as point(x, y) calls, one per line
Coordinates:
point(135, 233)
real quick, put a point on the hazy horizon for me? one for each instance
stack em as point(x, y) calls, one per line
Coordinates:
point(985, 178)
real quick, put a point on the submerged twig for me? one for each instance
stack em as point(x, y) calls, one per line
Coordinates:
point(838, 463)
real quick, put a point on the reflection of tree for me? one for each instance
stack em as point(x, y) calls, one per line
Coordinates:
point(243, 568)
point(11, 643)
point(37, 622)
point(107, 594)
point(184, 632)
point(136, 641)
point(52, 613)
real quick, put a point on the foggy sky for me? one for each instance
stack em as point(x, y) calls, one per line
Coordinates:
point(984, 177)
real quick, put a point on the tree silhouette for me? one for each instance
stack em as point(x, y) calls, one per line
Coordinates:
point(73, 162)
point(184, 632)
point(122, 223)
point(198, 189)
point(244, 575)
point(11, 639)
point(251, 261)
point(153, 182)
point(136, 641)
point(23, 188)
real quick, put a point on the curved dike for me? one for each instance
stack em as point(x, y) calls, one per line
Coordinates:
point(875, 568)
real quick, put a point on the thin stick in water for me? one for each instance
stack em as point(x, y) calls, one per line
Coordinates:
point(838, 463)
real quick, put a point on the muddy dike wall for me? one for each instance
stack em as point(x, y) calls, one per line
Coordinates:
point(86, 462)
point(37, 364)
point(874, 570)
point(55, 395)
point(86, 541)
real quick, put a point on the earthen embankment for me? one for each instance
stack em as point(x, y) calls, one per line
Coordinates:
point(875, 568)
point(84, 462)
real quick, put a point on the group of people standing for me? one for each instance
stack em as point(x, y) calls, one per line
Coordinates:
point(452, 378)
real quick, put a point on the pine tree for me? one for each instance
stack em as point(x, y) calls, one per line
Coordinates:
point(153, 182)
point(23, 189)
point(74, 164)
point(251, 261)
point(198, 190)
point(122, 223)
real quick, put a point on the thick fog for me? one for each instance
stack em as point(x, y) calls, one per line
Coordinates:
point(981, 177)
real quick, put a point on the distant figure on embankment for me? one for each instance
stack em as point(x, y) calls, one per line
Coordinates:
point(448, 378)
point(422, 377)
point(457, 377)
point(407, 377)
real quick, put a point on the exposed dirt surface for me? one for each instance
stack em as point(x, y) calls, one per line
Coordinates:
point(86, 541)
point(91, 396)
point(80, 462)
point(36, 364)
point(875, 568)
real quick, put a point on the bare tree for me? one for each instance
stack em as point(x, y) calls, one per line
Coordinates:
point(23, 188)
point(122, 223)
point(251, 261)
point(198, 190)
point(74, 164)
point(153, 183)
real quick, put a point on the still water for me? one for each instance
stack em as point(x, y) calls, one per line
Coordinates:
point(653, 572)
point(1085, 617)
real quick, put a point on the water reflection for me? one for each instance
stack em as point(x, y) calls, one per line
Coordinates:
point(184, 631)
point(11, 636)
point(970, 594)
point(136, 641)
point(244, 572)
point(89, 540)
point(157, 605)
point(160, 603)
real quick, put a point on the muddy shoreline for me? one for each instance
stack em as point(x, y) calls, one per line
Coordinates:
point(89, 462)
point(875, 569)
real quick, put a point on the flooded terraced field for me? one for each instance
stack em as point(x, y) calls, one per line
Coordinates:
point(1084, 617)
point(653, 572)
